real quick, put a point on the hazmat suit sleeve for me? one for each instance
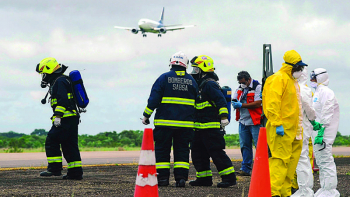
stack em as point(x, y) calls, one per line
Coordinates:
point(155, 97)
point(214, 93)
point(306, 101)
point(272, 97)
point(327, 100)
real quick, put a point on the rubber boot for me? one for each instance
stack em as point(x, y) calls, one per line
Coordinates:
point(206, 181)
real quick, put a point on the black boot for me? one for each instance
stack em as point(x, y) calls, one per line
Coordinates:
point(227, 180)
point(67, 177)
point(163, 182)
point(48, 173)
point(206, 181)
point(180, 183)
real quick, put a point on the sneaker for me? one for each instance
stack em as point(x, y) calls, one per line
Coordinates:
point(163, 182)
point(48, 173)
point(242, 173)
point(180, 183)
point(201, 182)
point(225, 184)
point(67, 177)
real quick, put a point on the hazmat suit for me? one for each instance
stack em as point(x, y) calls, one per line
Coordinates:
point(327, 113)
point(282, 107)
point(304, 169)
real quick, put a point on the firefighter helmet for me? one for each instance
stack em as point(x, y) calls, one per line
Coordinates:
point(179, 58)
point(48, 66)
point(204, 62)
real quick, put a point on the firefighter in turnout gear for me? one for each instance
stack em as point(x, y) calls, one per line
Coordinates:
point(211, 119)
point(65, 120)
point(173, 94)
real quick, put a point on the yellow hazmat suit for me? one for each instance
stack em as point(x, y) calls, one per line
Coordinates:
point(282, 106)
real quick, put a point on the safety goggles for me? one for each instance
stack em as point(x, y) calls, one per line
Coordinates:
point(195, 71)
point(313, 75)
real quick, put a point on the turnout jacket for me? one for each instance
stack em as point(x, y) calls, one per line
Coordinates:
point(173, 95)
point(62, 102)
point(207, 115)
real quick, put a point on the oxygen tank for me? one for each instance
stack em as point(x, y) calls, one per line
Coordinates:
point(227, 91)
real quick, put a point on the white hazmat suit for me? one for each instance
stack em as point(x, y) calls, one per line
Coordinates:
point(304, 169)
point(327, 113)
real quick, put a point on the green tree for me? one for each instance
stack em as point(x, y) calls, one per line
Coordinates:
point(39, 132)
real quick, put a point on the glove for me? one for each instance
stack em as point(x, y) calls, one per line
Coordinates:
point(224, 123)
point(319, 137)
point(145, 120)
point(236, 104)
point(280, 130)
point(260, 95)
point(316, 125)
point(57, 122)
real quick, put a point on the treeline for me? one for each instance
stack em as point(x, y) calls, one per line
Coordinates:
point(15, 142)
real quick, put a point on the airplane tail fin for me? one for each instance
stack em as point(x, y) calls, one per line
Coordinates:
point(161, 17)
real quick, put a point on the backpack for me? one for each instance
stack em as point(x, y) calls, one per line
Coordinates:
point(226, 91)
point(79, 92)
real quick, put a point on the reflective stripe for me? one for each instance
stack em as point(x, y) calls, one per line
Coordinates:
point(53, 102)
point(74, 164)
point(60, 109)
point(207, 125)
point(203, 105)
point(54, 159)
point(176, 100)
point(180, 164)
point(174, 123)
point(148, 111)
point(223, 110)
point(227, 171)
point(204, 174)
point(70, 95)
point(69, 113)
point(180, 73)
point(163, 165)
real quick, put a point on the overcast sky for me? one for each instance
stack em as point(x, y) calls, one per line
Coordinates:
point(119, 68)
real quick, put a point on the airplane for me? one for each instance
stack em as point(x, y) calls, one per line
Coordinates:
point(147, 25)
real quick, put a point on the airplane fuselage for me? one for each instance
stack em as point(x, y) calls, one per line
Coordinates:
point(147, 25)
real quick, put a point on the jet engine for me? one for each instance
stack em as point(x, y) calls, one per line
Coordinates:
point(134, 31)
point(162, 30)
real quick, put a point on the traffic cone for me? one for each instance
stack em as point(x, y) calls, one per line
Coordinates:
point(146, 180)
point(260, 181)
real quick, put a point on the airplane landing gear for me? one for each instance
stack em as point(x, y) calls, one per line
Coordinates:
point(159, 35)
point(144, 35)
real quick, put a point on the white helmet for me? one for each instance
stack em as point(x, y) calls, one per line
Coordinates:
point(179, 58)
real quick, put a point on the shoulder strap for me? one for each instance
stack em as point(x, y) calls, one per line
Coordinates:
point(205, 96)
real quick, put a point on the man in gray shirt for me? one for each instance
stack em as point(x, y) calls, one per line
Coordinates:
point(247, 102)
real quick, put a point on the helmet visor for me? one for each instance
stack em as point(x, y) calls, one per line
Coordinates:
point(195, 71)
point(312, 76)
point(194, 59)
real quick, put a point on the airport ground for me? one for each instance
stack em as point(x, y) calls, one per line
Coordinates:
point(119, 180)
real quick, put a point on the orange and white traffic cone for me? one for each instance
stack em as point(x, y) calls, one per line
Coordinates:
point(146, 180)
point(260, 182)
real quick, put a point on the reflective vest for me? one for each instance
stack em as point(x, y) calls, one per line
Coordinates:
point(62, 102)
point(173, 95)
point(255, 113)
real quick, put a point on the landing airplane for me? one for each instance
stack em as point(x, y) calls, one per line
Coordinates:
point(147, 25)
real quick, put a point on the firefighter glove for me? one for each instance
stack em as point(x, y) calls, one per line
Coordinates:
point(57, 122)
point(224, 123)
point(145, 120)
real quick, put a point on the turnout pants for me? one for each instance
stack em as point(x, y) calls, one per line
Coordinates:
point(180, 138)
point(211, 143)
point(65, 137)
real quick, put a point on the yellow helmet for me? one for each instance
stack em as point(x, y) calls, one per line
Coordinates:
point(204, 62)
point(47, 66)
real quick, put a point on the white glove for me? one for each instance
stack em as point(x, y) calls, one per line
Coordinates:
point(224, 123)
point(57, 122)
point(145, 120)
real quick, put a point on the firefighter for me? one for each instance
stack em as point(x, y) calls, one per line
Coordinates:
point(65, 120)
point(211, 119)
point(173, 94)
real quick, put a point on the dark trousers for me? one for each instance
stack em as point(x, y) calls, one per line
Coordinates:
point(166, 137)
point(210, 143)
point(65, 137)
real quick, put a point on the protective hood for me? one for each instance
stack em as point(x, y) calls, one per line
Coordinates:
point(287, 69)
point(304, 77)
point(322, 76)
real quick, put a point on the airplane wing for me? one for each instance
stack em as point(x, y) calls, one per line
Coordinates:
point(172, 28)
point(126, 28)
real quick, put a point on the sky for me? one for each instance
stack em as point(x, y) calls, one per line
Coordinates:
point(119, 68)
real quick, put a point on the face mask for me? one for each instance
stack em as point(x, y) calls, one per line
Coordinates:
point(313, 84)
point(297, 74)
point(243, 85)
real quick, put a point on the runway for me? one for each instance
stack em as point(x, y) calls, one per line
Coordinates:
point(12, 160)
